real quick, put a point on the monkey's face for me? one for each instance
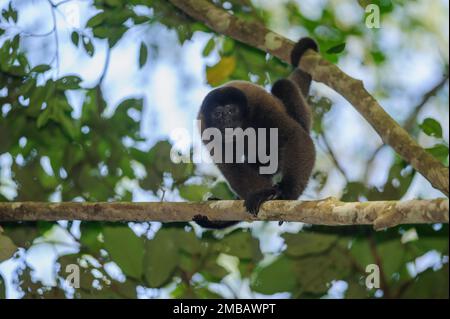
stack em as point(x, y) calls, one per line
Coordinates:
point(225, 107)
point(227, 116)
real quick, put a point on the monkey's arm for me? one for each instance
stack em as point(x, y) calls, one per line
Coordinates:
point(294, 102)
point(298, 155)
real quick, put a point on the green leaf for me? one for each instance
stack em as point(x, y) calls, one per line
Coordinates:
point(193, 193)
point(116, 35)
point(103, 32)
point(41, 68)
point(315, 273)
point(222, 190)
point(439, 151)
point(240, 244)
point(140, 19)
point(161, 258)
point(67, 124)
point(7, 248)
point(187, 241)
point(126, 249)
point(2, 288)
point(12, 12)
point(228, 46)
point(378, 56)
point(277, 277)
point(143, 53)
point(432, 284)
point(209, 47)
point(114, 3)
point(15, 42)
point(90, 234)
point(337, 49)
point(36, 99)
point(88, 46)
point(362, 252)
point(431, 127)
point(75, 38)
point(22, 235)
point(212, 271)
point(306, 243)
point(96, 20)
point(27, 86)
point(70, 82)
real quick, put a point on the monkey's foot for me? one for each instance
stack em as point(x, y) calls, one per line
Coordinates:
point(255, 200)
point(213, 198)
point(204, 222)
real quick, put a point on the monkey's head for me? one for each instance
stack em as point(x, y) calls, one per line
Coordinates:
point(225, 107)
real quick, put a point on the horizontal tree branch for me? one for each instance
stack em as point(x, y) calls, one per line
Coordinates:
point(257, 35)
point(329, 211)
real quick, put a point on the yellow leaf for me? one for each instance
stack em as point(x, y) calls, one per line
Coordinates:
point(218, 73)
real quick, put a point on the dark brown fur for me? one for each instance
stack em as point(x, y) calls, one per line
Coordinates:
point(285, 108)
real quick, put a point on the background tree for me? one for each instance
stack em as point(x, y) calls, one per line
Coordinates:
point(90, 91)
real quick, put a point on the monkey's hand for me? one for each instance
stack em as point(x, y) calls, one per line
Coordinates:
point(254, 201)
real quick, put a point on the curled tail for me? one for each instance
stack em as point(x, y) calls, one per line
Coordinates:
point(299, 77)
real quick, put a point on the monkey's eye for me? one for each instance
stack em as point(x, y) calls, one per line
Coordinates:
point(217, 113)
point(231, 109)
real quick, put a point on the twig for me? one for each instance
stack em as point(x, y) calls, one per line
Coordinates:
point(333, 157)
point(55, 32)
point(371, 161)
point(105, 67)
point(411, 121)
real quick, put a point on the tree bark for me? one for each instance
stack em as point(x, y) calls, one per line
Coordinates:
point(330, 211)
point(257, 35)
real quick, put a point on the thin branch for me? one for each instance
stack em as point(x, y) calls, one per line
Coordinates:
point(330, 211)
point(333, 157)
point(257, 35)
point(105, 67)
point(55, 32)
point(411, 121)
point(38, 35)
point(371, 161)
point(61, 3)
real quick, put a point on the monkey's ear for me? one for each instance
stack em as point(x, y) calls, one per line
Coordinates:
point(300, 48)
